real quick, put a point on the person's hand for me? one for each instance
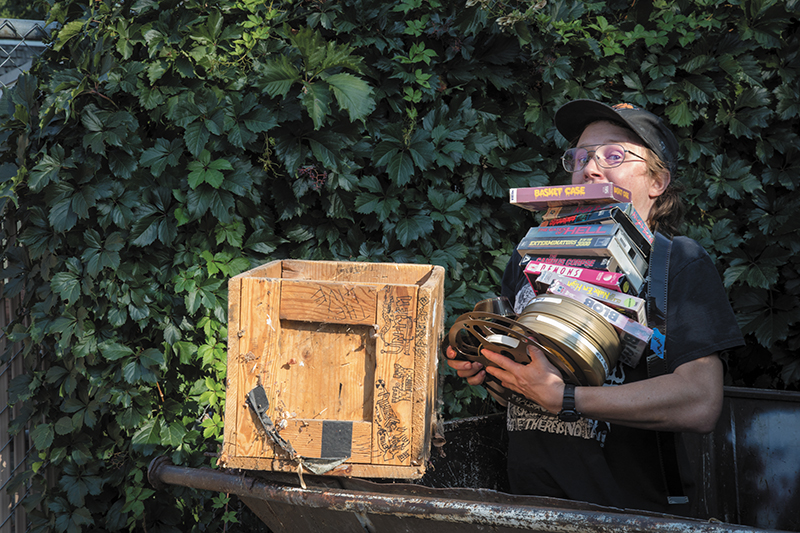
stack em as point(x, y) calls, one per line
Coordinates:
point(538, 380)
point(472, 371)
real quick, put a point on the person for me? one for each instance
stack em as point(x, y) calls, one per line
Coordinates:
point(609, 455)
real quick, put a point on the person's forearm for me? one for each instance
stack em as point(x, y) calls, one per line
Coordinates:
point(690, 399)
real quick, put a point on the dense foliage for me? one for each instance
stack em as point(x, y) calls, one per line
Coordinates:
point(18, 10)
point(161, 147)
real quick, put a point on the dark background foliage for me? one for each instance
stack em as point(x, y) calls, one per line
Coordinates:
point(19, 10)
point(159, 148)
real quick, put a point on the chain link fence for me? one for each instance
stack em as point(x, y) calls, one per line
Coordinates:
point(20, 42)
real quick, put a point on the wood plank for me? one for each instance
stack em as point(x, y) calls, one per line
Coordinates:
point(232, 393)
point(272, 269)
point(356, 272)
point(258, 334)
point(394, 375)
point(428, 335)
point(323, 371)
point(328, 302)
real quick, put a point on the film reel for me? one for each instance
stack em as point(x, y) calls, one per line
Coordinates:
point(585, 339)
point(477, 330)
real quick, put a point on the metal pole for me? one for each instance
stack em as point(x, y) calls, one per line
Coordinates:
point(529, 518)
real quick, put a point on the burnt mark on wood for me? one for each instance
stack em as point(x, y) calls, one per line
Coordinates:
point(403, 383)
point(342, 303)
point(392, 440)
point(398, 325)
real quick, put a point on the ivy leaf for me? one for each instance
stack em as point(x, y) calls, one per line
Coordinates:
point(74, 521)
point(173, 434)
point(367, 203)
point(196, 137)
point(90, 120)
point(204, 170)
point(48, 168)
point(400, 168)
point(78, 484)
point(99, 255)
point(383, 153)
point(260, 120)
point(67, 285)
point(164, 153)
point(114, 351)
point(144, 366)
point(63, 425)
point(145, 229)
point(316, 98)
point(699, 88)
point(19, 387)
point(412, 228)
point(278, 76)
point(185, 350)
point(148, 435)
point(680, 114)
point(67, 32)
point(42, 436)
point(352, 94)
point(156, 70)
point(774, 324)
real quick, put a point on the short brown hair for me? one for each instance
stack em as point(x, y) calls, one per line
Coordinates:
point(667, 213)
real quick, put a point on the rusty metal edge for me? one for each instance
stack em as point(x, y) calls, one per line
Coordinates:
point(162, 473)
point(762, 394)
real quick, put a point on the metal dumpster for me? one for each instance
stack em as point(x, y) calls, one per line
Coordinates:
point(750, 466)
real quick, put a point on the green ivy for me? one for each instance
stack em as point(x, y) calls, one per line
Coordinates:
point(158, 148)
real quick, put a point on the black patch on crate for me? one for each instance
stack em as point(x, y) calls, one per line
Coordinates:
point(337, 439)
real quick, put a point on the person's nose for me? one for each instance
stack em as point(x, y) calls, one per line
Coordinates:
point(592, 172)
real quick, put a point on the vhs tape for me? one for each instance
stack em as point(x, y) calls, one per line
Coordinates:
point(609, 280)
point(581, 209)
point(540, 198)
point(629, 305)
point(609, 264)
point(580, 229)
point(622, 214)
point(559, 241)
point(618, 247)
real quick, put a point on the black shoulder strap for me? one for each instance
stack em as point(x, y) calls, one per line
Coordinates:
point(657, 287)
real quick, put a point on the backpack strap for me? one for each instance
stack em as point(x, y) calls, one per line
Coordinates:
point(657, 289)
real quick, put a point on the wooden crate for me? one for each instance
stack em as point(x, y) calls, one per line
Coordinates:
point(347, 355)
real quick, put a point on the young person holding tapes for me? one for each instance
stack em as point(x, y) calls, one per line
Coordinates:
point(601, 444)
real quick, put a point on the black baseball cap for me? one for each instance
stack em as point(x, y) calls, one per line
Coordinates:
point(574, 116)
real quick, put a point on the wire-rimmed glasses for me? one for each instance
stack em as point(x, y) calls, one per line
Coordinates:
point(606, 155)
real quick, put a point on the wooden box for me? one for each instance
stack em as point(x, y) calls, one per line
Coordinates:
point(347, 355)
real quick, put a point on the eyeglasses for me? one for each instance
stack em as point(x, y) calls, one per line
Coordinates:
point(606, 155)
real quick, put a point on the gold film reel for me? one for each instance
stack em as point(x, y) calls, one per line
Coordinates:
point(585, 338)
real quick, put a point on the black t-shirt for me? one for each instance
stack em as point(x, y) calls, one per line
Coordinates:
point(607, 464)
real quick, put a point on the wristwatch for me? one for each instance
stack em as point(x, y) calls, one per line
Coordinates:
point(568, 412)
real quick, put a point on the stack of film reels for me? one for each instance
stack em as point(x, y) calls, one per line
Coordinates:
point(587, 264)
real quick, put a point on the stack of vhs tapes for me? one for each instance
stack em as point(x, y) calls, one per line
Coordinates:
point(592, 247)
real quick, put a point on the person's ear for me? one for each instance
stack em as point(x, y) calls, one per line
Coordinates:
point(659, 183)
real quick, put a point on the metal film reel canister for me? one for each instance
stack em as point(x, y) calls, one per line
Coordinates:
point(587, 346)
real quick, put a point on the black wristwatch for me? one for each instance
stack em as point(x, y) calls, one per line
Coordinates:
point(568, 412)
